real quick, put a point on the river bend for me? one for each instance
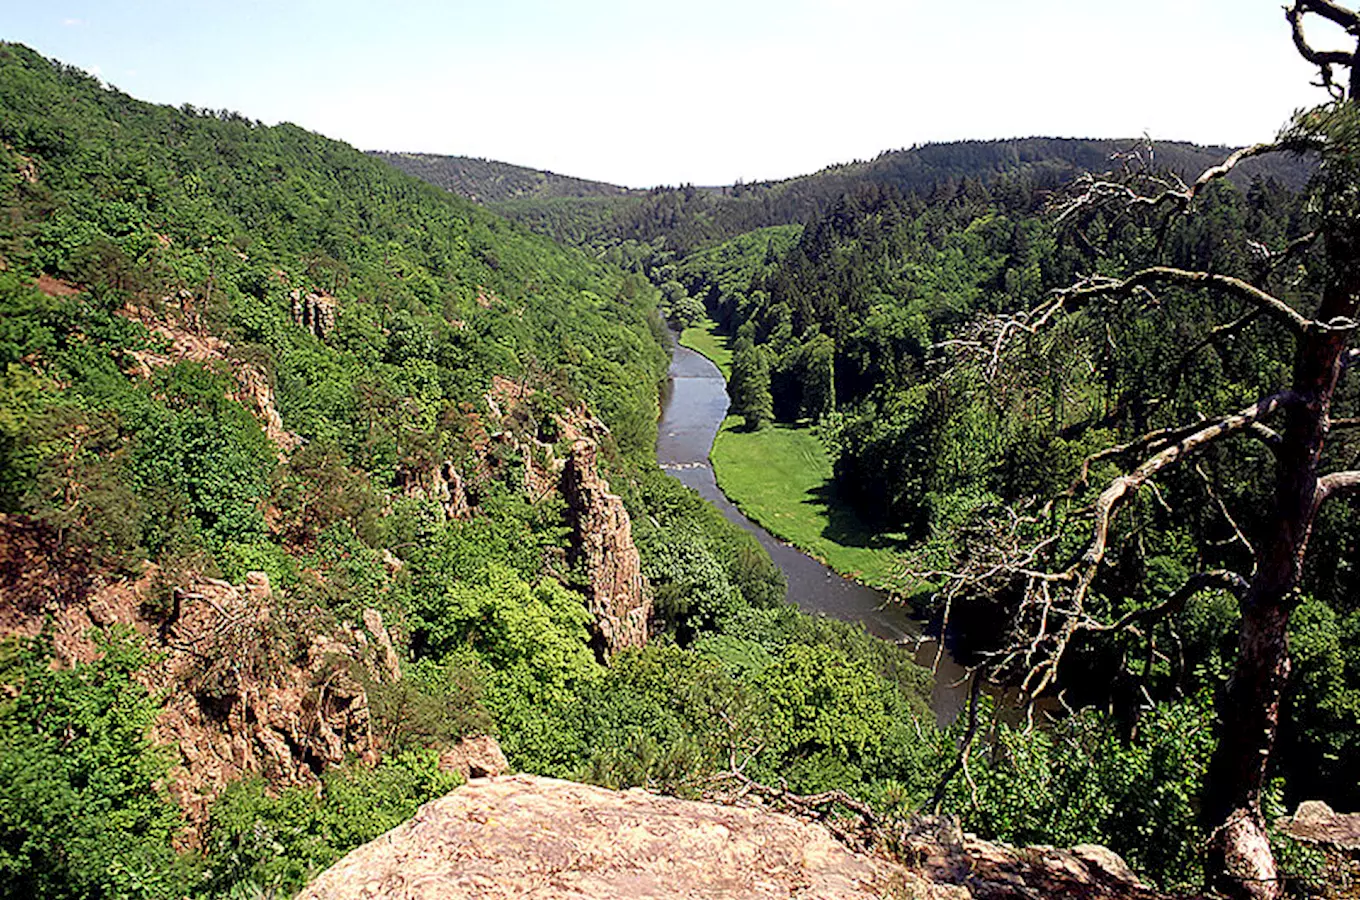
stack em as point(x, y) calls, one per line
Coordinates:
point(694, 404)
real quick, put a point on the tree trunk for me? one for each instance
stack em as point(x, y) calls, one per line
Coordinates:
point(1240, 861)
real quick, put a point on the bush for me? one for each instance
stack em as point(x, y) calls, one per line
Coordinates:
point(1082, 782)
point(82, 808)
point(275, 844)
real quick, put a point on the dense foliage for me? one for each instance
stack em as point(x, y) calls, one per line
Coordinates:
point(686, 218)
point(488, 181)
point(76, 770)
point(842, 292)
point(373, 311)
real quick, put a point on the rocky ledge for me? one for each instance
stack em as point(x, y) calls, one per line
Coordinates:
point(523, 836)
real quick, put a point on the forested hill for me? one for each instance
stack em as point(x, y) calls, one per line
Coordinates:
point(118, 194)
point(488, 181)
point(687, 217)
point(308, 470)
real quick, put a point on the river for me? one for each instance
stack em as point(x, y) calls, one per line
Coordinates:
point(694, 404)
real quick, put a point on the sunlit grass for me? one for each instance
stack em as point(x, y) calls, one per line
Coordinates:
point(780, 476)
point(704, 338)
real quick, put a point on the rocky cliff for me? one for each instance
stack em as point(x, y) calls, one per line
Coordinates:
point(539, 838)
point(617, 593)
point(252, 684)
point(184, 340)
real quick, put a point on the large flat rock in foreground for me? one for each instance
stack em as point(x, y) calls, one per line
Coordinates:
point(522, 836)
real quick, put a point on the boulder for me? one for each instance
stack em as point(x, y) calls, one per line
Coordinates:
point(1317, 823)
point(475, 757)
point(523, 836)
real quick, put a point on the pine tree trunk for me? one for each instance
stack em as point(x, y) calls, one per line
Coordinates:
point(1240, 861)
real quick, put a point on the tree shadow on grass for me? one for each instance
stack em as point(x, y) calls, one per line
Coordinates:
point(845, 527)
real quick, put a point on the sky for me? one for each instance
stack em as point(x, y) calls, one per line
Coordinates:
point(642, 93)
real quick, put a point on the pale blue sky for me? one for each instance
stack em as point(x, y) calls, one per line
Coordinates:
point(706, 91)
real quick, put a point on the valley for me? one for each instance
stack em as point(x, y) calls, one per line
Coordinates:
point(693, 411)
point(923, 513)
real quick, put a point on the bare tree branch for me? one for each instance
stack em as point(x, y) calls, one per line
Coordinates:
point(1346, 18)
point(1118, 191)
point(1325, 59)
point(1095, 287)
point(1051, 610)
point(1220, 579)
point(1218, 333)
point(1238, 534)
point(1338, 483)
point(965, 745)
point(1229, 164)
point(1266, 435)
point(1271, 259)
point(1125, 486)
point(991, 340)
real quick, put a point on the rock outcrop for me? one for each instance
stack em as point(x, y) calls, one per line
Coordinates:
point(617, 593)
point(990, 870)
point(618, 596)
point(187, 343)
point(252, 685)
point(1337, 836)
point(475, 757)
point(1317, 823)
point(314, 312)
point(523, 836)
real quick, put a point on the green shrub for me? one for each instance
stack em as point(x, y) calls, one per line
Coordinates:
point(274, 844)
point(82, 809)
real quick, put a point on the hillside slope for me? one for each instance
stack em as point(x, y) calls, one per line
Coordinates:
point(489, 181)
point(687, 217)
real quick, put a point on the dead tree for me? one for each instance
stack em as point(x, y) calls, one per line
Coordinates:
point(1020, 554)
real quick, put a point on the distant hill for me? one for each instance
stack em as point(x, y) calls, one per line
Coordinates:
point(599, 215)
point(488, 181)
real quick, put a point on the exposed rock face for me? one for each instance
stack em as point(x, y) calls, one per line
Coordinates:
point(537, 837)
point(618, 597)
point(1337, 836)
point(257, 395)
point(475, 757)
point(522, 836)
point(315, 312)
point(25, 166)
point(445, 487)
point(186, 344)
point(55, 287)
point(1317, 823)
point(252, 685)
point(989, 870)
point(258, 692)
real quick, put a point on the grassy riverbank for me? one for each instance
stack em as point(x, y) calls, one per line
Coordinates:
point(780, 477)
point(704, 338)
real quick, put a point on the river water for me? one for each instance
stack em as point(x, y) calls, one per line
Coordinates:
point(693, 407)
